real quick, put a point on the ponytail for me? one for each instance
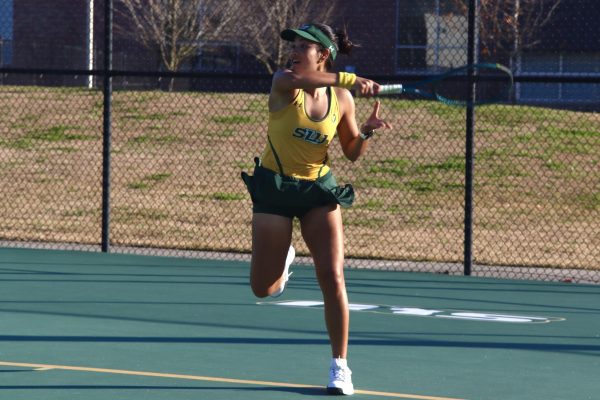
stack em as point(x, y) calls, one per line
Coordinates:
point(340, 38)
point(344, 44)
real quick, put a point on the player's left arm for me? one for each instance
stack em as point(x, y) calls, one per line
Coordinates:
point(353, 145)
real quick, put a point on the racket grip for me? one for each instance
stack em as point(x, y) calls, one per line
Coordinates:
point(390, 89)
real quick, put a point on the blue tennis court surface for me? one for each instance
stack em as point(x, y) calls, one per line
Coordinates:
point(107, 326)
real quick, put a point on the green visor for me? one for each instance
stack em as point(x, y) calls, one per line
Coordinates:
point(312, 33)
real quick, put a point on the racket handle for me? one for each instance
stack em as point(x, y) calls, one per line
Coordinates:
point(390, 89)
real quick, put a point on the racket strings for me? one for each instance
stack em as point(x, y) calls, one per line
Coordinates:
point(473, 84)
point(486, 85)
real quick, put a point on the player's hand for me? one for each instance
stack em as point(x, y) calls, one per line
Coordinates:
point(374, 122)
point(364, 87)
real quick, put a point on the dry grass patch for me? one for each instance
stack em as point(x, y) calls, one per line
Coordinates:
point(176, 160)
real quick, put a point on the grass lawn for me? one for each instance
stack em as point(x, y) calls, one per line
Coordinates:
point(176, 160)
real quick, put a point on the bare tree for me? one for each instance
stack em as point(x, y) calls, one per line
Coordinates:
point(265, 19)
point(507, 27)
point(177, 28)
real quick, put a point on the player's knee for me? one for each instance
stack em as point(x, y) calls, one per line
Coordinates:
point(331, 277)
point(260, 293)
point(259, 290)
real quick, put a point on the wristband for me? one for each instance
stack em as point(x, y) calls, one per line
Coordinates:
point(366, 135)
point(346, 80)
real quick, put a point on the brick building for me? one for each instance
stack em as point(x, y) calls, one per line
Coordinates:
point(397, 37)
point(55, 35)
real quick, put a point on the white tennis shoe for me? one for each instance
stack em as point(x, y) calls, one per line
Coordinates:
point(286, 274)
point(340, 378)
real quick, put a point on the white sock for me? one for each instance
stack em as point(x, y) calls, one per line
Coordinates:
point(339, 362)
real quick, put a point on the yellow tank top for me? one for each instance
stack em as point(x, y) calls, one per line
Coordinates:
point(300, 142)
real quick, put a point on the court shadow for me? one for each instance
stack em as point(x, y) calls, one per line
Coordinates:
point(313, 392)
point(13, 371)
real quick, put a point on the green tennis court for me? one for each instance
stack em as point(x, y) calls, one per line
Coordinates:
point(78, 325)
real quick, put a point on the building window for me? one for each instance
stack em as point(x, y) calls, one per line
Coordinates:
point(217, 57)
point(431, 36)
point(6, 32)
point(561, 64)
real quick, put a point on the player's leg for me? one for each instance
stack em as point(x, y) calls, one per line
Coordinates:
point(322, 231)
point(271, 238)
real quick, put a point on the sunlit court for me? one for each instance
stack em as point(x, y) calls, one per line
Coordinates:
point(288, 199)
point(79, 324)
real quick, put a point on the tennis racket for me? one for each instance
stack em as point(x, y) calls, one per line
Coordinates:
point(493, 84)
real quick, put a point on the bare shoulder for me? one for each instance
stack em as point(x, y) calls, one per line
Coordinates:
point(345, 99)
point(280, 75)
point(280, 96)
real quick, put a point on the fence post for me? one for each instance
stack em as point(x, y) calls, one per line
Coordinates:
point(106, 134)
point(90, 42)
point(470, 139)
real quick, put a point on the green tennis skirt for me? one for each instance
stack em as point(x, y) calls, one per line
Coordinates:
point(273, 193)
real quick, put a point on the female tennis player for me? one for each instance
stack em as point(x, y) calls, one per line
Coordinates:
point(308, 104)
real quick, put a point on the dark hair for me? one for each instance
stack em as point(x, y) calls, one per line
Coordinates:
point(339, 37)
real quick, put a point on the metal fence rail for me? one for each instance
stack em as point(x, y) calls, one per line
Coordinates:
point(129, 166)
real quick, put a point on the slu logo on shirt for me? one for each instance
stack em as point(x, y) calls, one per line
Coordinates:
point(309, 135)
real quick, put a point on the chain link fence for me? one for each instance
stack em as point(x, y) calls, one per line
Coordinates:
point(179, 140)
